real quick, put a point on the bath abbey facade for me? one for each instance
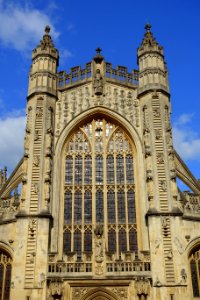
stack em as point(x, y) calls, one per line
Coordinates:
point(93, 211)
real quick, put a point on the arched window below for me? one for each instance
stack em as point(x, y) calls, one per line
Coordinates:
point(194, 261)
point(5, 275)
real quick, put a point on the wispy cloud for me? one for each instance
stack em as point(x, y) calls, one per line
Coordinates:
point(12, 139)
point(21, 28)
point(186, 140)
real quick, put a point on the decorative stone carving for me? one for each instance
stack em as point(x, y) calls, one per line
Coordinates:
point(160, 158)
point(179, 245)
point(36, 136)
point(99, 250)
point(158, 134)
point(142, 286)
point(149, 175)
point(36, 161)
point(183, 276)
point(163, 185)
point(55, 289)
point(170, 254)
point(39, 112)
point(26, 144)
point(120, 292)
point(156, 113)
point(49, 120)
point(36, 188)
point(136, 105)
point(78, 293)
point(99, 270)
point(98, 83)
point(156, 245)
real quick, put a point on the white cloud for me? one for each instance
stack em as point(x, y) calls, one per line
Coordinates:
point(12, 130)
point(21, 28)
point(186, 140)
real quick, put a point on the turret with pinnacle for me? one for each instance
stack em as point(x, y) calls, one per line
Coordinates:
point(152, 68)
point(45, 59)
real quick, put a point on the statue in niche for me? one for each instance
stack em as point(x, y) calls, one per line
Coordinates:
point(98, 83)
point(99, 243)
point(183, 276)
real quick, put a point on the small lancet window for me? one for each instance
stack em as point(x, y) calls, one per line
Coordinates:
point(194, 261)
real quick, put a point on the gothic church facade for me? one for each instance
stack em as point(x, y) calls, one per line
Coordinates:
point(99, 214)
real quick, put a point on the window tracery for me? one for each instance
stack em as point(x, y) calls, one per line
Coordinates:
point(194, 261)
point(5, 275)
point(99, 189)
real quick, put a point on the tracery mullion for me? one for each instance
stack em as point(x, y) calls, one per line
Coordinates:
point(125, 198)
point(116, 195)
point(93, 174)
point(73, 195)
point(105, 184)
point(82, 194)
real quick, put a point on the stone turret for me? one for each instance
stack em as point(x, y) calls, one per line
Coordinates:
point(152, 68)
point(45, 60)
point(153, 94)
point(34, 215)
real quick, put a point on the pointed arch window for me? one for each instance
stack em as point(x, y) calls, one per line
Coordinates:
point(5, 275)
point(194, 261)
point(99, 188)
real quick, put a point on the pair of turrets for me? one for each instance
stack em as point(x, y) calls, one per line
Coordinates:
point(152, 68)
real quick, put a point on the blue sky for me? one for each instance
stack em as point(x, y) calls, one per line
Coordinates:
point(78, 27)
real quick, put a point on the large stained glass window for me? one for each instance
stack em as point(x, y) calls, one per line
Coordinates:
point(99, 189)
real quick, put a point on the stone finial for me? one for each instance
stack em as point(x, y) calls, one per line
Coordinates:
point(148, 27)
point(98, 50)
point(98, 57)
point(47, 29)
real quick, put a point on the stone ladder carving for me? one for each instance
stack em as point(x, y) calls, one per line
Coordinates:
point(32, 231)
point(163, 197)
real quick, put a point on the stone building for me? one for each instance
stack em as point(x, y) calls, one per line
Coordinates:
point(92, 211)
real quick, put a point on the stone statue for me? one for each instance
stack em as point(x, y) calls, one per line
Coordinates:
point(98, 83)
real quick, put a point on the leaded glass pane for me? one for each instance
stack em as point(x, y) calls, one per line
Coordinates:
point(68, 170)
point(111, 207)
point(88, 170)
point(121, 207)
point(68, 208)
point(131, 206)
point(122, 241)
point(67, 241)
point(99, 207)
point(129, 169)
point(193, 268)
point(99, 169)
point(112, 241)
point(77, 241)
point(77, 208)
point(133, 240)
point(78, 170)
point(7, 282)
point(88, 241)
point(86, 181)
point(120, 169)
point(110, 169)
point(1, 279)
point(88, 207)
